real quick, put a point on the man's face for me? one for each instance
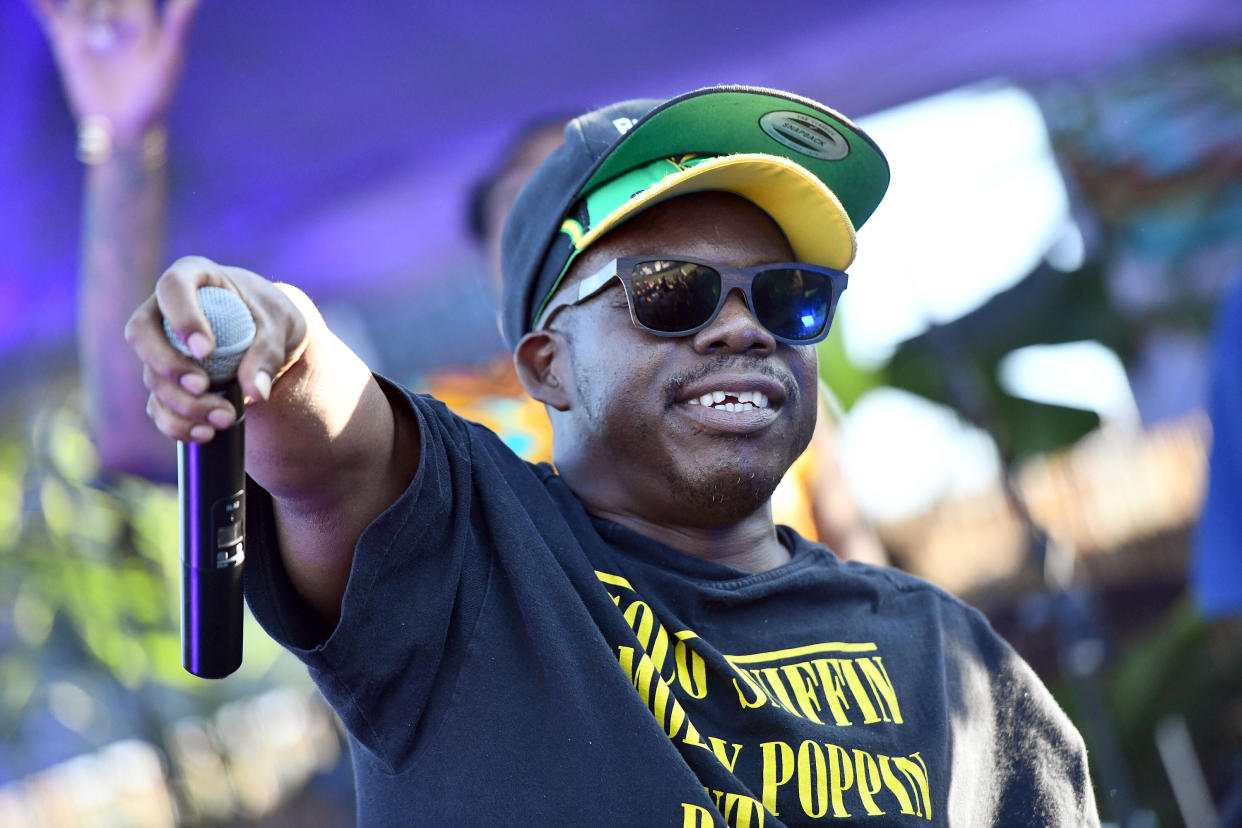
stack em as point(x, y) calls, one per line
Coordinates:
point(636, 438)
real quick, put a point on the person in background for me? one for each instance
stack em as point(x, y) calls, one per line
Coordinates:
point(119, 62)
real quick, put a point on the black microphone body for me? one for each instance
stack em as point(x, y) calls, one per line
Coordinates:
point(211, 488)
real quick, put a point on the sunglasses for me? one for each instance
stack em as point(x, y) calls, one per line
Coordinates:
point(682, 296)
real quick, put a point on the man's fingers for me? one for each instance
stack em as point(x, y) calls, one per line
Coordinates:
point(177, 295)
point(145, 334)
point(189, 400)
point(281, 337)
point(256, 374)
point(171, 424)
point(183, 415)
point(177, 381)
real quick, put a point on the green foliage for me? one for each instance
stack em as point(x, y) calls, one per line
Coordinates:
point(847, 380)
point(100, 559)
point(1187, 667)
point(19, 676)
point(12, 469)
point(1181, 666)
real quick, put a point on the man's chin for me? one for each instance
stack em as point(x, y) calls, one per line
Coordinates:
point(723, 497)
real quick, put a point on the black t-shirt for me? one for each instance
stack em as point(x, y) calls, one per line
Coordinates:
point(503, 658)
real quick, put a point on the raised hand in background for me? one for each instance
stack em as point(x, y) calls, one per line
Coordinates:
point(119, 62)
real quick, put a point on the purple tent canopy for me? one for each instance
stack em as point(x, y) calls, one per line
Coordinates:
point(333, 144)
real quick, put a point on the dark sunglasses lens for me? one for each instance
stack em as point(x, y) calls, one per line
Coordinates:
point(672, 296)
point(793, 303)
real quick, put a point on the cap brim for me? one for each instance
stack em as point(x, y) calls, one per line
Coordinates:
point(811, 216)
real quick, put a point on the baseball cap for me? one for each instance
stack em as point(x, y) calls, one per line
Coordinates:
point(810, 168)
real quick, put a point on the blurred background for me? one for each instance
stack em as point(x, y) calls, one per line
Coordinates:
point(1022, 366)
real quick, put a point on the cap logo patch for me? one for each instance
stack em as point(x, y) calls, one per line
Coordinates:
point(806, 135)
point(623, 124)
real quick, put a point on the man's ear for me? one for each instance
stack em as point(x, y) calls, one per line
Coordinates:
point(539, 358)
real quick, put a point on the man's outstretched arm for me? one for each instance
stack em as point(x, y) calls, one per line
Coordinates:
point(321, 435)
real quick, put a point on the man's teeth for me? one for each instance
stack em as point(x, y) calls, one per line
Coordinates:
point(736, 400)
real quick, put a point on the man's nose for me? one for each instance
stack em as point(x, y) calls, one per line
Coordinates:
point(735, 330)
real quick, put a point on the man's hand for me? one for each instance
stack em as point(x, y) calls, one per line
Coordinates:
point(118, 59)
point(179, 403)
point(322, 437)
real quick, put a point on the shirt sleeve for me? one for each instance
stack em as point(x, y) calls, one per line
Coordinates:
point(413, 590)
point(1017, 758)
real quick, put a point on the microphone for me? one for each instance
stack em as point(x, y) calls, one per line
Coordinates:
point(211, 491)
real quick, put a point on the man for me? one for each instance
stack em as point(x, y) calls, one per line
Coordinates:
point(626, 639)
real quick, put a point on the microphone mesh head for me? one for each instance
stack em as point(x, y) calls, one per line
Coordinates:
point(233, 327)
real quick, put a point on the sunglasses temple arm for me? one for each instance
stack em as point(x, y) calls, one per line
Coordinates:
point(587, 288)
point(594, 283)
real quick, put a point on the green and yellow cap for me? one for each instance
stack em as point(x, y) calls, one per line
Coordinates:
point(813, 171)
